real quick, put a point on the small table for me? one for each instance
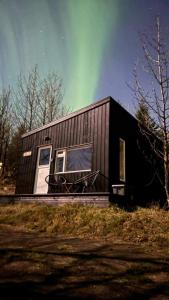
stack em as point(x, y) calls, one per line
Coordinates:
point(67, 186)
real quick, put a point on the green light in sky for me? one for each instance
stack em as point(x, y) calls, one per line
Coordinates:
point(67, 37)
point(92, 22)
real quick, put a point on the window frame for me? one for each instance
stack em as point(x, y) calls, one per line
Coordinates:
point(123, 161)
point(72, 148)
point(63, 154)
point(38, 158)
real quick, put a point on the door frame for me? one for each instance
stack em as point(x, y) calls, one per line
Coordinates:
point(37, 164)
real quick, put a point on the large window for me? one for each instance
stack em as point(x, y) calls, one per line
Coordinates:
point(73, 160)
point(122, 169)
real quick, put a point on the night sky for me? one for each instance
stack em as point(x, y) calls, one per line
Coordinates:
point(92, 44)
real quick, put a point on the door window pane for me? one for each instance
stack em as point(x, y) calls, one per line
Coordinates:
point(44, 156)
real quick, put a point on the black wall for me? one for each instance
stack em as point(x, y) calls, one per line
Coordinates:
point(141, 184)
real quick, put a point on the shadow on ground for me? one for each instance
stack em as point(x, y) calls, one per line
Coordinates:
point(38, 267)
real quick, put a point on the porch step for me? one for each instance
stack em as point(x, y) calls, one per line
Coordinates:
point(97, 199)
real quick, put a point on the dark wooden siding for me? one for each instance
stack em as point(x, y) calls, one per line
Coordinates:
point(91, 126)
point(139, 171)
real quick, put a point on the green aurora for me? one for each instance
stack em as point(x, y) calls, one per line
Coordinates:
point(91, 25)
point(67, 37)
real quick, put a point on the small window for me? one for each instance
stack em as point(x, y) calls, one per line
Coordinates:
point(59, 164)
point(60, 161)
point(73, 160)
point(122, 169)
point(44, 157)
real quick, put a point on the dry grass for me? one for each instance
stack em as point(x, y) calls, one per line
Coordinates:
point(150, 225)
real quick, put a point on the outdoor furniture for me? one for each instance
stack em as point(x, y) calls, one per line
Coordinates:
point(59, 184)
point(85, 183)
point(56, 183)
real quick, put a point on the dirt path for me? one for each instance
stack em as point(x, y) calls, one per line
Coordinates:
point(40, 267)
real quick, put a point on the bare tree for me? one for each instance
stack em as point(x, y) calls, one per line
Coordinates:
point(5, 126)
point(26, 99)
point(14, 150)
point(38, 101)
point(156, 99)
point(35, 102)
point(51, 105)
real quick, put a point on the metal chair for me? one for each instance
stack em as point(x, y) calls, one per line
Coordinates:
point(85, 183)
point(56, 183)
point(59, 184)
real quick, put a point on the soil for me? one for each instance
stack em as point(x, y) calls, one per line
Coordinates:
point(36, 266)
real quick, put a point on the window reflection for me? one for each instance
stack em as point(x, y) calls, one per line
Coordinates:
point(72, 160)
point(44, 156)
point(79, 159)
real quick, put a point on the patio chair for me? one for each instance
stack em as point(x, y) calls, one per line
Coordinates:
point(56, 183)
point(85, 183)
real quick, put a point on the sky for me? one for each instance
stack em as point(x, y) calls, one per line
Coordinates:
point(92, 45)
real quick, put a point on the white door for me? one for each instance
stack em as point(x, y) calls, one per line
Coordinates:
point(42, 170)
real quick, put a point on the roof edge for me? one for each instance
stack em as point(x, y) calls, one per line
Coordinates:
point(69, 116)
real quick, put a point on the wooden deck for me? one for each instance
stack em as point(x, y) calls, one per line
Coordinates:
point(97, 199)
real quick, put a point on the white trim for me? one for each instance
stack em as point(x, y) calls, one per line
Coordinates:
point(76, 146)
point(42, 166)
point(118, 185)
point(68, 172)
point(58, 155)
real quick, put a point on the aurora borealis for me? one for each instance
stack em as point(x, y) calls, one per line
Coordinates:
point(91, 44)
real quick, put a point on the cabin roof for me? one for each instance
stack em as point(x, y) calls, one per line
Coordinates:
point(78, 112)
point(69, 116)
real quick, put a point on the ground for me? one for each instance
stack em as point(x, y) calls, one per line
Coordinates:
point(38, 266)
point(7, 187)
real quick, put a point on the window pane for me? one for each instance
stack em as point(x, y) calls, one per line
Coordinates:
point(122, 160)
point(79, 159)
point(44, 156)
point(59, 164)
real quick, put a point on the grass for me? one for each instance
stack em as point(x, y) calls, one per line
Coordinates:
point(149, 225)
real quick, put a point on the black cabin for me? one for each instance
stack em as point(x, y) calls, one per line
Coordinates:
point(102, 136)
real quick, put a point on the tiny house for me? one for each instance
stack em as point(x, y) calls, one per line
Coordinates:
point(102, 136)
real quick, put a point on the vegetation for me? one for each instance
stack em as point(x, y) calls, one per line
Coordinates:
point(148, 225)
point(83, 252)
point(34, 102)
point(143, 116)
point(153, 96)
